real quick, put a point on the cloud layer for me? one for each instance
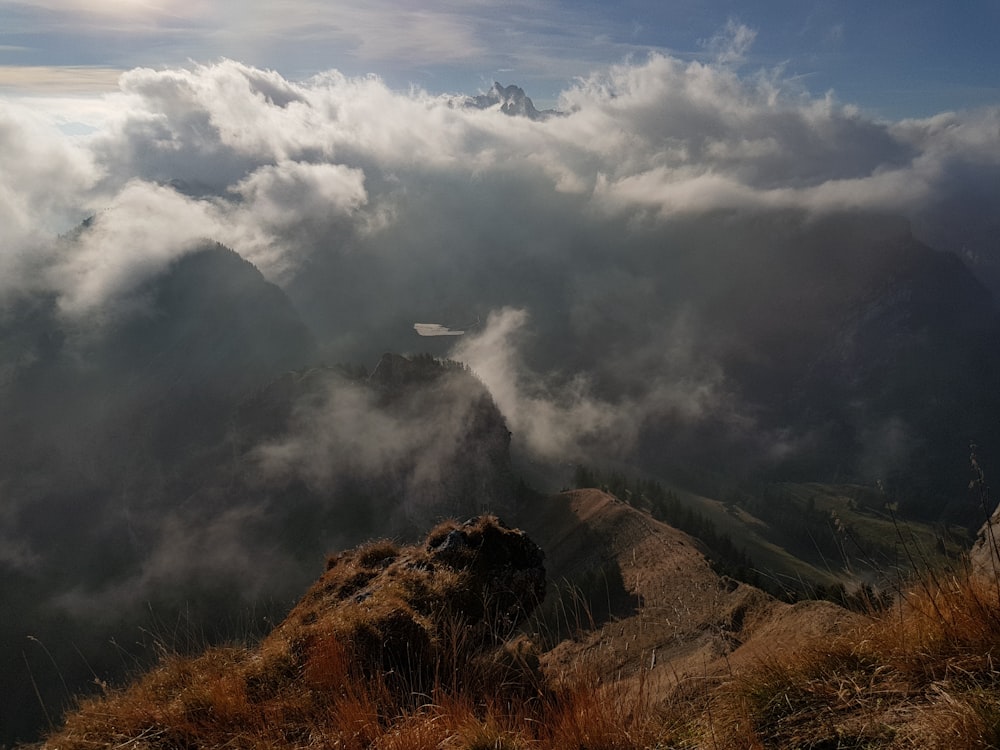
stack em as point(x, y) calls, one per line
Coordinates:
point(252, 155)
point(376, 208)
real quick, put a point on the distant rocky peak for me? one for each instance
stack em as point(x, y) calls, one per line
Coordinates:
point(512, 100)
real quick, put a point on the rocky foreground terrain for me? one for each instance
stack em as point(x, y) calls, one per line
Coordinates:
point(596, 627)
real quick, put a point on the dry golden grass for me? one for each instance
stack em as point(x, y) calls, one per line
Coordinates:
point(204, 702)
point(920, 675)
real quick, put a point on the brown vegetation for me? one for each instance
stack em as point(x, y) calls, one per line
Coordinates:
point(922, 674)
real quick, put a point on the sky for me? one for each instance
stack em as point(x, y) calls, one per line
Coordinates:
point(912, 59)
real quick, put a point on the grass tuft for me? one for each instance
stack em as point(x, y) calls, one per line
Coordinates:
point(921, 674)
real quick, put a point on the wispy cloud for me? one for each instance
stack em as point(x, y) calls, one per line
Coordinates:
point(731, 44)
point(404, 42)
point(49, 80)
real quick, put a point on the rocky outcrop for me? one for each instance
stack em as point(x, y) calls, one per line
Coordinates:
point(396, 610)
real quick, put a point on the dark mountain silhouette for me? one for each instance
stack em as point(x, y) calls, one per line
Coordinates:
point(905, 385)
point(106, 431)
point(854, 352)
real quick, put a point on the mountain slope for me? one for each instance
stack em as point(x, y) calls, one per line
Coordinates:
point(682, 620)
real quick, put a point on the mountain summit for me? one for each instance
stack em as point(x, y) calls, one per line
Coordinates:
point(512, 100)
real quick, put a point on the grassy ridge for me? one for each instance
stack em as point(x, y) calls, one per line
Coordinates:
point(413, 648)
point(795, 540)
point(922, 674)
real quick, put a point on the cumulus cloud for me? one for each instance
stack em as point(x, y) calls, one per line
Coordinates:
point(136, 236)
point(676, 125)
point(375, 208)
point(46, 185)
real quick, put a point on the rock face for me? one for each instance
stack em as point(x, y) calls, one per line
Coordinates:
point(984, 557)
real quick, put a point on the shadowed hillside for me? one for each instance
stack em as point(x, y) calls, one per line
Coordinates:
point(112, 429)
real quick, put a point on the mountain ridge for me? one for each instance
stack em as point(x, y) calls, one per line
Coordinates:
point(670, 671)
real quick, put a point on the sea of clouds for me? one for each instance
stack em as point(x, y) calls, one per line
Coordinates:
point(375, 208)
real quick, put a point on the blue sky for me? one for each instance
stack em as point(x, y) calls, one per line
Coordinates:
point(909, 60)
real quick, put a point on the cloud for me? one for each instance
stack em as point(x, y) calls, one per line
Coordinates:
point(674, 125)
point(436, 448)
point(375, 207)
point(46, 184)
point(123, 9)
point(65, 80)
point(144, 228)
point(559, 418)
point(289, 205)
point(187, 553)
point(15, 553)
point(731, 44)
